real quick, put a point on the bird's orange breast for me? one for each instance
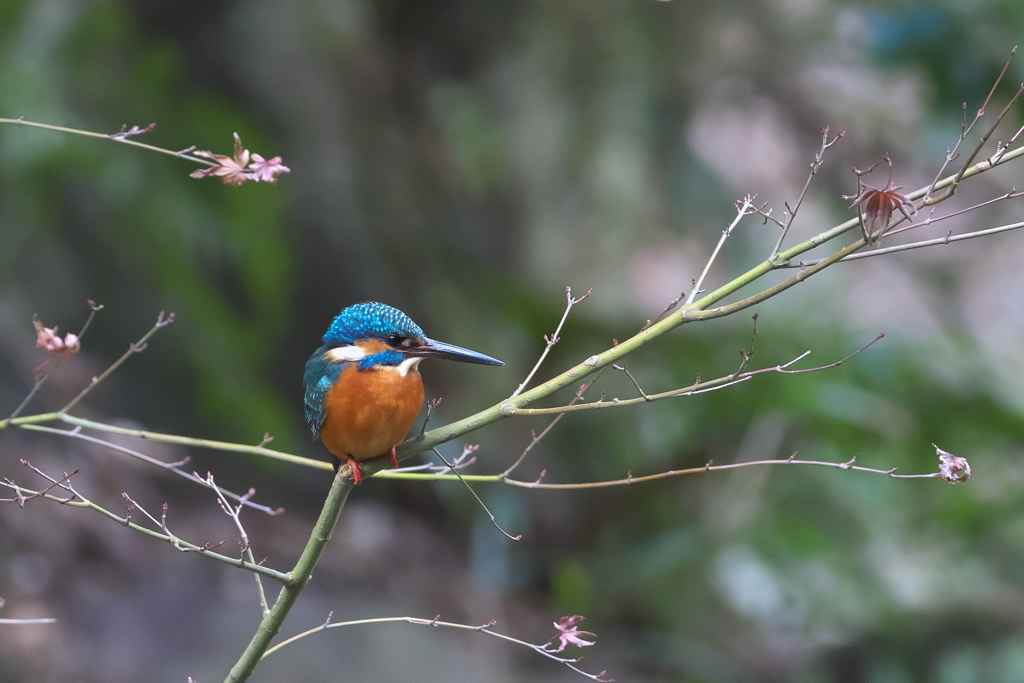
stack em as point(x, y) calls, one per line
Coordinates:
point(367, 412)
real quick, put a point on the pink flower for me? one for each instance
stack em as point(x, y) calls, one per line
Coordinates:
point(569, 635)
point(266, 171)
point(47, 338)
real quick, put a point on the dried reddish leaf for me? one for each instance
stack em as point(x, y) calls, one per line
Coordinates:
point(953, 468)
point(878, 206)
point(230, 169)
point(236, 169)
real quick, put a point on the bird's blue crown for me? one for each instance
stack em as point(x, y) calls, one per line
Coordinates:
point(369, 320)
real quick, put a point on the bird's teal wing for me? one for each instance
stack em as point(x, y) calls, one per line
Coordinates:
point(320, 375)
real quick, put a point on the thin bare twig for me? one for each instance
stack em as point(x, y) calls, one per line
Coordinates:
point(494, 521)
point(233, 512)
point(553, 338)
point(744, 207)
point(138, 347)
point(174, 467)
point(462, 461)
point(819, 159)
point(951, 154)
point(536, 438)
point(436, 622)
point(76, 499)
point(1012, 194)
point(699, 387)
point(43, 620)
point(668, 309)
point(121, 136)
point(711, 467)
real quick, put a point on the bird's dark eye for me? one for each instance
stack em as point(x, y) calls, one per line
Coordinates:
point(397, 341)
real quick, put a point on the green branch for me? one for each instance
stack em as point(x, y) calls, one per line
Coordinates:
point(270, 625)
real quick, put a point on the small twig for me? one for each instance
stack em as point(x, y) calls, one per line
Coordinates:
point(436, 622)
point(1012, 194)
point(431, 404)
point(461, 461)
point(952, 187)
point(746, 355)
point(553, 338)
point(624, 369)
point(536, 438)
point(170, 467)
point(20, 493)
point(45, 620)
point(710, 467)
point(478, 500)
point(699, 387)
point(668, 309)
point(233, 512)
point(78, 500)
point(744, 207)
point(965, 128)
point(121, 136)
point(126, 132)
point(819, 159)
point(138, 347)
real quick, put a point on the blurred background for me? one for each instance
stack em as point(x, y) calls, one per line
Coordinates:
point(466, 161)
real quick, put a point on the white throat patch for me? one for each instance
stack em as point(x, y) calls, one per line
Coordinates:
point(349, 354)
point(408, 364)
point(344, 354)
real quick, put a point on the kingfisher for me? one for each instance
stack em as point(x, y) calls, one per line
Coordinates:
point(363, 389)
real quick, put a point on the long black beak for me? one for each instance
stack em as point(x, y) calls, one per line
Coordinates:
point(431, 348)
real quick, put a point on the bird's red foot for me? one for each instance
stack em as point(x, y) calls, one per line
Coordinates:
point(357, 471)
point(393, 458)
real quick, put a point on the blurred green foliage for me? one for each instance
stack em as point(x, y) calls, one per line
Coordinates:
point(468, 161)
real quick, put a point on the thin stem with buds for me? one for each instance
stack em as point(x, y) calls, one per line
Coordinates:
point(121, 136)
point(819, 159)
point(139, 346)
point(436, 622)
point(553, 338)
point(74, 498)
point(745, 207)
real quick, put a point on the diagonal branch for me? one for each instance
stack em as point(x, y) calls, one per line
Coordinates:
point(76, 499)
point(137, 347)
